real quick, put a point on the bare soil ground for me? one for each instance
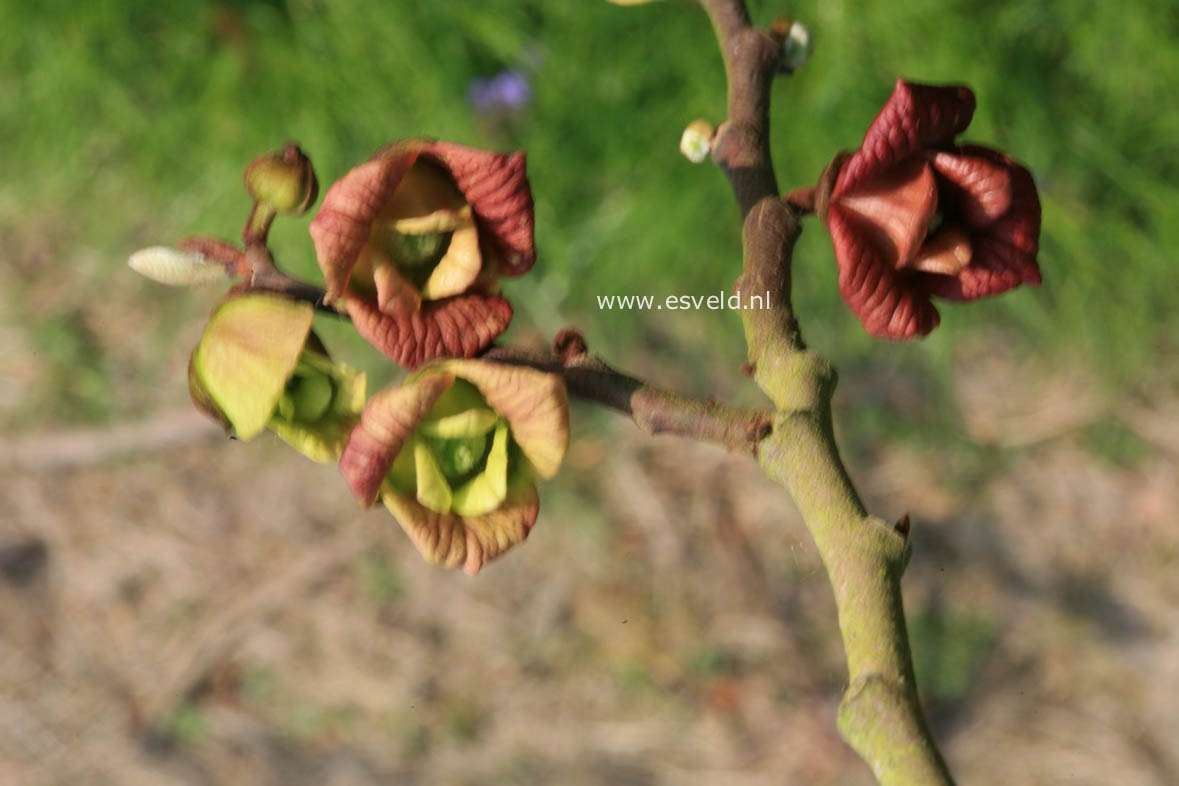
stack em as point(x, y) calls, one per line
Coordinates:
point(176, 608)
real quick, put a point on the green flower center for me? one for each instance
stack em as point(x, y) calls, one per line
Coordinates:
point(307, 396)
point(457, 459)
point(415, 254)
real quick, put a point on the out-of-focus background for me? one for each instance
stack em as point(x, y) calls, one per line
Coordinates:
point(177, 608)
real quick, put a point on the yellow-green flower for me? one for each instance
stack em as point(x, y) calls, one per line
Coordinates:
point(258, 366)
point(453, 453)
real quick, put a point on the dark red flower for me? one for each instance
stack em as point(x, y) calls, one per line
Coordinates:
point(913, 215)
point(411, 244)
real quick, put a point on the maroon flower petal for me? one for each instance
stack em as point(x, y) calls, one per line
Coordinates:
point(459, 326)
point(1005, 250)
point(890, 304)
point(895, 210)
point(496, 187)
point(982, 185)
point(341, 227)
point(385, 424)
point(916, 117)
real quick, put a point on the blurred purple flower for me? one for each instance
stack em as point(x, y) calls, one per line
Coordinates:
point(507, 90)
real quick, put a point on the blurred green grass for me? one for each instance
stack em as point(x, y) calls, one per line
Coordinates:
point(128, 123)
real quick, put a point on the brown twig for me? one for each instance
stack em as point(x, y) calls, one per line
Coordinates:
point(256, 268)
point(880, 715)
point(654, 410)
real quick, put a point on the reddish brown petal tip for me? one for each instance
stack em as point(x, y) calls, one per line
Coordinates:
point(496, 186)
point(915, 117)
point(889, 304)
point(341, 227)
point(385, 424)
point(461, 326)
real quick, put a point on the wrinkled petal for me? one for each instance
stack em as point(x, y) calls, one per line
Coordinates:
point(535, 404)
point(341, 227)
point(915, 117)
point(386, 424)
point(890, 303)
point(486, 491)
point(496, 186)
point(246, 354)
point(983, 186)
point(1005, 250)
point(452, 541)
point(460, 326)
point(895, 209)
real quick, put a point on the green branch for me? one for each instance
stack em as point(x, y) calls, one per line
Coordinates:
point(880, 715)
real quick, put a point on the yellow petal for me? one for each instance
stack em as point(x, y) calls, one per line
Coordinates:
point(459, 267)
point(471, 423)
point(486, 491)
point(396, 294)
point(445, 220)
point(433, 489)
point(534, 403)
point(246, 355)
point(425, 190)
point(321, 442)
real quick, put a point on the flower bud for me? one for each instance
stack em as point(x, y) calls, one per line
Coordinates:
point(696, 141)
point(795, 41)
point(176, 267)
point(283, 180)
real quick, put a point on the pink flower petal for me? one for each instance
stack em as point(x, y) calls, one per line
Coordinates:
point(460, 326)
point(340, 229)
point(916, 117)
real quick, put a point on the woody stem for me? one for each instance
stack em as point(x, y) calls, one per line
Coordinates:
point(880, 715)
point(653, 409)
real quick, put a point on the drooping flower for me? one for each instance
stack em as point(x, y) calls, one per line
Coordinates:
point(453, 453)
point(411, 244)
point(258, 365)
point(913, 215)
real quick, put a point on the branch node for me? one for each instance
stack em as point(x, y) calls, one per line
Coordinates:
point(569, 344)
point(902, 526)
